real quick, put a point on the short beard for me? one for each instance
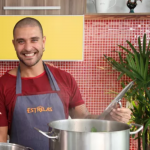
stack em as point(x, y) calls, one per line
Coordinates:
point(21, 60)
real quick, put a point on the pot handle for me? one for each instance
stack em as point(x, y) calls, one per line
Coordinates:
point(46, 134)
point(119, 102)
point(139, 129)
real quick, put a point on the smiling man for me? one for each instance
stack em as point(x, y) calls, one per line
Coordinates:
point(34, 94)
point(29, 44)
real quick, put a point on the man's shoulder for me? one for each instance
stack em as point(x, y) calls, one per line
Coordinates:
point(57, 71)
point(61, 76)
point(13, 71)
point(11, 74)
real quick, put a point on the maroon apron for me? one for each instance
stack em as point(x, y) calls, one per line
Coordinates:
point(35, 110)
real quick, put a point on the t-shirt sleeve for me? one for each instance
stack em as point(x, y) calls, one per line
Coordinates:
point(67, 81)
point(75, 98)
point(3, 114)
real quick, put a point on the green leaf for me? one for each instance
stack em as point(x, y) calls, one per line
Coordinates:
point(120, 76)
point(132, 93)
point(133, 135)
point(148, 46)
point(93, 129)
point(137, 61)
point(134, 73)
point(144, 131)
point(141, 98)
point(128, 60)
point(146, 68)
point(140, 47)
point(132, 47)
point(126, 71)
point(147, 93)
point(132, 62)
point(119, 52)
point(121, 60)
point(126, 50)
point(142, 66)
point(144, 44)
point(143, 109)
point(134, 105)
point(120, 67)
point(122, 84)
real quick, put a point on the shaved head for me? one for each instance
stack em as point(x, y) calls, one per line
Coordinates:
point(28, 22)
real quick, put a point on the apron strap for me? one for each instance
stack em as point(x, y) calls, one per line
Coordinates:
point(51, 78)
point(18, 82)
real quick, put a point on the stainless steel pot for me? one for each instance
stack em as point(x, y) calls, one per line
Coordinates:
point(75, 134)
point(11, 146)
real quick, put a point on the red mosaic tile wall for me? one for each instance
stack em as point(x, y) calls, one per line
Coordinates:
point(101, 37)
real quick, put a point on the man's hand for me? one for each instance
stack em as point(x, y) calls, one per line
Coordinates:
point(118, 114)
point(3, 134)
point(121, 114)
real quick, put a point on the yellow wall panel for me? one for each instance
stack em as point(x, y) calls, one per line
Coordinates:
point(64, 37)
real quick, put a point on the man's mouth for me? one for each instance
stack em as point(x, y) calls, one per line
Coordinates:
point(29, 55)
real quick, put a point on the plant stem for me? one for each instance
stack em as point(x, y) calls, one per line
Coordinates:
point(146, 133)
point(139, 140)
point(146, 142)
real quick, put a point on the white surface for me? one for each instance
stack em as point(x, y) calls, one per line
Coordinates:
point(121, 7)
point(102, 6)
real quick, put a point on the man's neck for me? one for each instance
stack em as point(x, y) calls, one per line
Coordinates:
point(31, 71)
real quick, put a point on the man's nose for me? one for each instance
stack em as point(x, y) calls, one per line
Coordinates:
point(28, 46)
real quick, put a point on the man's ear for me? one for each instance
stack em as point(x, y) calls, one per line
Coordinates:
point(44, 40)
point(13, 41)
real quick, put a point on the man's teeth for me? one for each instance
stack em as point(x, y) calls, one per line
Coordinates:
point(29, 54)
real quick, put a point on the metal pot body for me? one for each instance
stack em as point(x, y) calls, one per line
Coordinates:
point(10, 146)
point(91, 141)
point(76, 134)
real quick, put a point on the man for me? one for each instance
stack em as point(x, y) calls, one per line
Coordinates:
point(34, 94)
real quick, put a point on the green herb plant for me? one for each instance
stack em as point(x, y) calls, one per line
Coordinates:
point(134, 62)
point(93, 129)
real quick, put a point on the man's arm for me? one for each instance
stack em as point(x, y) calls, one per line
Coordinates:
point(3, 134)
point(81, 112)
point(119, 114)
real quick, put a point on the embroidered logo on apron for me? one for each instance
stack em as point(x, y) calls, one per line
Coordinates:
point(39, 109)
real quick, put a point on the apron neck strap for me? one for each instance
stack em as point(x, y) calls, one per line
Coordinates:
point(51, 78)
point(18, 82)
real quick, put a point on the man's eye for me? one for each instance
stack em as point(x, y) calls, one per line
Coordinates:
point(20, 42)
point(34, 40)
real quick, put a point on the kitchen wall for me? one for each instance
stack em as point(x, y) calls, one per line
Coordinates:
point(121, 6)
point(95, 82)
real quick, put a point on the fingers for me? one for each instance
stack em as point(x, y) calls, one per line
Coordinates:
point(121, 114)
point(124, 110)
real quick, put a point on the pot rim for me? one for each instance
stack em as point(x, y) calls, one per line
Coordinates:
point(51, 124)
point(12, 144)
